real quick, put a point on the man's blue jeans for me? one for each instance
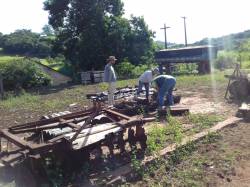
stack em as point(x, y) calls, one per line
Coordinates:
point(166, 89)
point(146, 85)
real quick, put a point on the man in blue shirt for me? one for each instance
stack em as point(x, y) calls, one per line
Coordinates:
point(165, 85)
point(110, 78)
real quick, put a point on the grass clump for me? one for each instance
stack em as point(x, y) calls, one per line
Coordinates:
point(156, 139)
point(24, 100)
point(202, 121)
point(174, 129)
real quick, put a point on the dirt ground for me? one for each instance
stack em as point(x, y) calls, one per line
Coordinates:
point(233, 145)
point(234, 140)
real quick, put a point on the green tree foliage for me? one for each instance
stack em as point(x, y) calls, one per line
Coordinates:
point(127, 70)
point(1, 39)
point(23, 73)
point(90, 30)
point(25, 42)
point(225, 60)
point(48, 30)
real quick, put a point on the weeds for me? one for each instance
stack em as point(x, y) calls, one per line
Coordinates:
point(136, 164)
point(23, 100)
point(202, 121)
point(156, 139)
point(174, 129)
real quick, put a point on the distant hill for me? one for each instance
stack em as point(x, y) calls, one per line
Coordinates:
point(228, 42)
point(170, 45)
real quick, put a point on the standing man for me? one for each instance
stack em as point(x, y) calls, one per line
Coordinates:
point(110, 78)
point(165, 85)
point(145, 79)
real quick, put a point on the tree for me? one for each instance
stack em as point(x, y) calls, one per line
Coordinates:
point(48, 30)
point(25, 42)
point(90, 30)
point(1, 39)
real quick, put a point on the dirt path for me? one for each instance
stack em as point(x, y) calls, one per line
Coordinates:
point(234, 147)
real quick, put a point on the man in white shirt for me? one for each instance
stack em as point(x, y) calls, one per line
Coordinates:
point(110, 78)
point(145, 79)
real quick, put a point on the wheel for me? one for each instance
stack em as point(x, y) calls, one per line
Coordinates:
point(239, 89)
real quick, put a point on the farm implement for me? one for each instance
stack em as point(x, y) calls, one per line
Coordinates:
point(76, 136)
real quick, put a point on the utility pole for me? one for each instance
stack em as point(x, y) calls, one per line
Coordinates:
point(184, 18)
point(165, 32)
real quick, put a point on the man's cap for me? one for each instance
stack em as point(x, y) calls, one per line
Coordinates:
point(155, 70)
point(111, 58)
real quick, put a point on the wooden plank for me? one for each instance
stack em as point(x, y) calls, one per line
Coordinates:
point(195, 137)
point(12, 158)
point(70, 124)
point(178, 110)
point(135, 121)
point(14, 139)
point(124, 170)
point(112, 112)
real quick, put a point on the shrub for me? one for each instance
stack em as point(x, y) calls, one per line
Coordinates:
point(225, 60)
point(126, 70)
point(23, 73)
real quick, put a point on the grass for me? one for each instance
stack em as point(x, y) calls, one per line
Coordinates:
point(60, 99)
point(25, 101)
point(202, 121)
point(188, 165)
point(56, 66)
point(159, 136)
point(194, 81)
point(180, 168)
point(39, 103)
point(6, 59)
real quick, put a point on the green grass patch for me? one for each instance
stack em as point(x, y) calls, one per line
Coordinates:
point(194, 81)
point(23, 101)
point(58, 65)
point(202, 121)
point(6, 59)
point(54, 65)
point(122, 83)
point(156, 139)
point(159, 136)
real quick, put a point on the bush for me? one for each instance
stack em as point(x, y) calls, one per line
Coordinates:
point(226, 60)
point(126, 70)
point(23, 73)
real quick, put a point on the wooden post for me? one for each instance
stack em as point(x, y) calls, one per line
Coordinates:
point(1, 86)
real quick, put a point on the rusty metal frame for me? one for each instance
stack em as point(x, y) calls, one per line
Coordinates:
point(29, 149)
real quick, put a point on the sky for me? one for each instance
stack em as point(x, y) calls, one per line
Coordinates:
point(204, 18)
